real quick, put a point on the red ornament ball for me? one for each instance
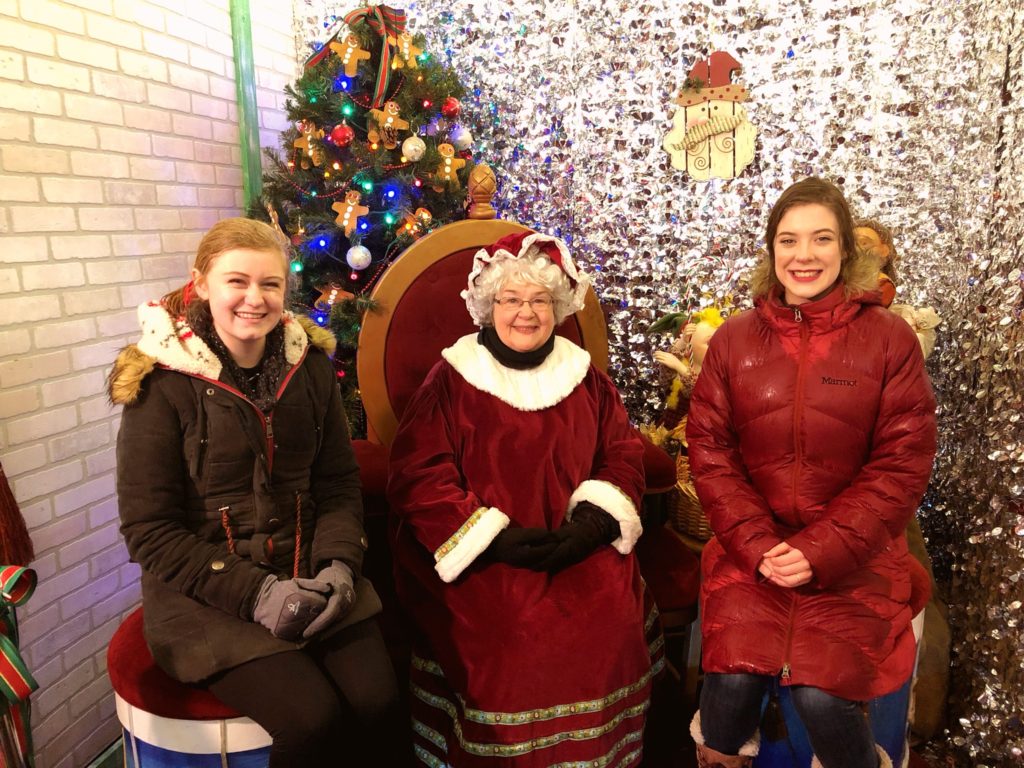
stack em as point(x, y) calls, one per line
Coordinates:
point(342, 135)
point(451, 107)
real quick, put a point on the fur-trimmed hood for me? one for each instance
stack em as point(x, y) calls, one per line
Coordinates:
point(170, 342)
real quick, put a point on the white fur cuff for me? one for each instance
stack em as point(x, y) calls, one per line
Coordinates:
point(749, 749)
point(617, 504)
point(466, 544)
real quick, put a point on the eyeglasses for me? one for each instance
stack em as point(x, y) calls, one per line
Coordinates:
point(537, 304)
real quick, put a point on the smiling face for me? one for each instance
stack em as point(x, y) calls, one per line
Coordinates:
point(526, 328)
point(808, 255)
point(246, 291)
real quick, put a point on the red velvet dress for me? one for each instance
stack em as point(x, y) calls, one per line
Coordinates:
point(518, 667)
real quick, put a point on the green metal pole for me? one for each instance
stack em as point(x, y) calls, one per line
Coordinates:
point(245, 88)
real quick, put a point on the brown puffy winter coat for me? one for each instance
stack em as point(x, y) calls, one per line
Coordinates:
point(214, 495)
point(813, 426)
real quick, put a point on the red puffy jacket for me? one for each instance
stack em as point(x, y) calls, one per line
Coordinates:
point(814, 426)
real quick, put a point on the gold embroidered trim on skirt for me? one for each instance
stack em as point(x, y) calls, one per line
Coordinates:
point(525, 747)
point(542, 713)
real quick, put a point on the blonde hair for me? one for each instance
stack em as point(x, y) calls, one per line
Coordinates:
point(226, 235)
point(885, 235)
point(858, 270)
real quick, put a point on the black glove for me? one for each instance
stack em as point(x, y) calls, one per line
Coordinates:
point(591, 527)
point(522, 547)
point(287, 607)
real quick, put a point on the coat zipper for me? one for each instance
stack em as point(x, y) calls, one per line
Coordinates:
point(266, 419)
point(798, 401)
point(786, 666)
point(797, 460)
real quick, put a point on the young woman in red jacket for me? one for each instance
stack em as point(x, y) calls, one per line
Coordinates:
point(811, 437)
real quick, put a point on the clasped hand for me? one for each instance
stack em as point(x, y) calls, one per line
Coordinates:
point(785, 566)
point(299, 608)
point(539, 549)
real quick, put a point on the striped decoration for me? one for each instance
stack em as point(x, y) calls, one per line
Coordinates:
point(16, 683)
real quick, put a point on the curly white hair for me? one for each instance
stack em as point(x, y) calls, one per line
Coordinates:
point(538, 271)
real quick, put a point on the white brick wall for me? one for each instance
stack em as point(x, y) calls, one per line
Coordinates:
point(118, 148)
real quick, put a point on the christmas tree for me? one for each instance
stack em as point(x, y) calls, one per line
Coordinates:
point(377, 158)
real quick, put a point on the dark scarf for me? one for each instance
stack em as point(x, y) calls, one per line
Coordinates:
point(510, 358)
point(259, 383)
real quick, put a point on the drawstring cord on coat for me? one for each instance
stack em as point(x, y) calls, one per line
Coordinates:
point(225, 522)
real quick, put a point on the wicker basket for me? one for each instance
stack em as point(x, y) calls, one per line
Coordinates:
point(684, 510)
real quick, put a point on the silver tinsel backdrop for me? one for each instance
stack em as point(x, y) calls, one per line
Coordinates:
point(912, 106)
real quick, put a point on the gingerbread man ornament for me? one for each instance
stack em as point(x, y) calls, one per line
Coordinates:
point(385, 125)
point(405, 52)
point(445, 173)
point(349, 211)
point(311, 150)
point(417, 221)
point(351, 54)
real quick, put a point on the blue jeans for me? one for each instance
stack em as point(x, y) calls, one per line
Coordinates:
point(730, 711)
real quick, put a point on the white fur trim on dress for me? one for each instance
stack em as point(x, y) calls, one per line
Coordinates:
point(749, 749)
point(173, 343)
point(617, 504)
point(884, 761)
point(466, 544)
point(533, 389)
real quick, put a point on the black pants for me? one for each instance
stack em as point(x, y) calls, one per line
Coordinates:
point(334, 703)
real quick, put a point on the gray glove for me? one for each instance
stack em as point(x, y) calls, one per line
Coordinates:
point(343, 595)
point(287, 607)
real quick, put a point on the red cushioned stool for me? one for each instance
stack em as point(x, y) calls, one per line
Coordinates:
point(169, 724)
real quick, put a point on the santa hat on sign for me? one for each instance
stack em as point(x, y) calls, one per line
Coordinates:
point(532, 246)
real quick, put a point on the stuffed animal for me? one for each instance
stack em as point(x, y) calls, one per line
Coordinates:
point(683, 360)
point(873, 236)
point(924, 321)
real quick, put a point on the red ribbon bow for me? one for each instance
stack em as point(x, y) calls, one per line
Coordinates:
point(386, 22)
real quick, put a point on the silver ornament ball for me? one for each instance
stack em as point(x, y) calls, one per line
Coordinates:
point(358, 257)
point(460, 137)
point(413, 148)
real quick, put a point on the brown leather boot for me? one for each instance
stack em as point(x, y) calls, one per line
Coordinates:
point(710, 758)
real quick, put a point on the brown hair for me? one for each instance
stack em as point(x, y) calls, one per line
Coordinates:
point(226, 235)
point(885, 235)
point(857, 271)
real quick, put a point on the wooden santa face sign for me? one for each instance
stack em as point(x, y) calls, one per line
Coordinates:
point(711, 135)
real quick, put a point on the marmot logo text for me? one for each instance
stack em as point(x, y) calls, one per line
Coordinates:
point(839, 382)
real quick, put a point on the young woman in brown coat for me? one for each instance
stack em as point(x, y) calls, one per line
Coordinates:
point(239, 498)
